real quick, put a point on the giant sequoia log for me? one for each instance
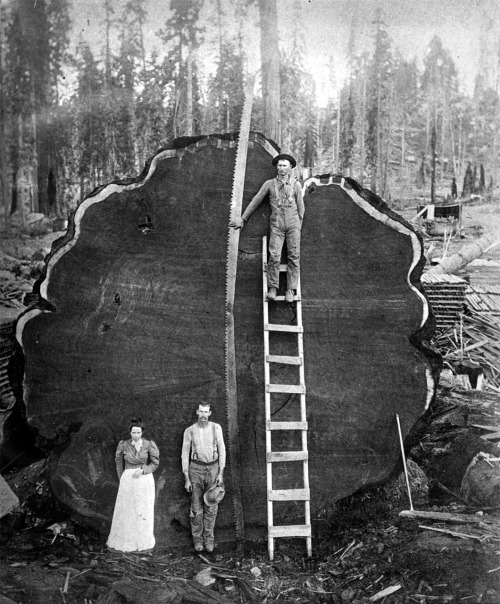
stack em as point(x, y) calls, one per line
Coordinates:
point(131, 321)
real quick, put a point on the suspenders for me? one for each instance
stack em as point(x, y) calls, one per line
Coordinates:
point(194, 454)
point(290, 198)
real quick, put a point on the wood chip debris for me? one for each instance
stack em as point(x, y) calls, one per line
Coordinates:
point(385, 592)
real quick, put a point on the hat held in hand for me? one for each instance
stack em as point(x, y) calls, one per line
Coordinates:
point(214, 494)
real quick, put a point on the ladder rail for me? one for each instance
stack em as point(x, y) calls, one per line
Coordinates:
point(267, 401)
point(297, 494)
point(303, 413)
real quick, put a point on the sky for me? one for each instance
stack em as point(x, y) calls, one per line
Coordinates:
point(469, 29)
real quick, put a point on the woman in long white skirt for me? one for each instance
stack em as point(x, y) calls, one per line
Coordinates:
point(132, 528)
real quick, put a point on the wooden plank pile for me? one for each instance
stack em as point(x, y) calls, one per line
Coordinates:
point(475, 336)
point(446, 294)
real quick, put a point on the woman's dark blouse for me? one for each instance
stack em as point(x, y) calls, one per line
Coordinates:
point(127, 457)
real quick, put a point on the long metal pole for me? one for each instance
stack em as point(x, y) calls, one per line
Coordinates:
point(404, 461)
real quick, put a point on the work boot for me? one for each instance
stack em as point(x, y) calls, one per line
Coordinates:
point(209, 546)
point(271, 294)
point(289, 295)
point(198, 546)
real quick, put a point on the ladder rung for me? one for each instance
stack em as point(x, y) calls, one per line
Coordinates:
point(277, 456)
point(288, 388)
point(278, 327)
point(292, 530)
point(289, 495)
point(274, 358)
point(283, 268)
point(287, 425)
point(281, 298)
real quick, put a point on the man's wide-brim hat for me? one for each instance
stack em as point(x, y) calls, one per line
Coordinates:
point(284, 156)
point(214, 494)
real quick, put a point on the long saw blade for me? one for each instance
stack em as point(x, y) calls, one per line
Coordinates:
point(231, 267)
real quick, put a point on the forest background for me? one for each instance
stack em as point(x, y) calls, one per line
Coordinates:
point(80, 110)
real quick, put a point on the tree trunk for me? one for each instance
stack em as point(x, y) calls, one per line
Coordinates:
point(452, 264)
point(448, 438)
point(29, 137)
point(363, 131)
point(481, 481)
point(269, 52)
point(4, 166)
point(140, 327)
point(402, 161)
point(189, 95)
point(433, 164)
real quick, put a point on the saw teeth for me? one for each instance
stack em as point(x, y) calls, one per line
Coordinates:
point(231, 266)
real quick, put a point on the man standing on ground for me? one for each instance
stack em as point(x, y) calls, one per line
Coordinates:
point(203, 463)
point(287, 213)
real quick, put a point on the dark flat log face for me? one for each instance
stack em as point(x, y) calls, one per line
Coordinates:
point(138, 328)
point(359, 311)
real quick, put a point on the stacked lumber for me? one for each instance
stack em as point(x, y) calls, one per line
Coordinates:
point(446, 294)
point(475, 336)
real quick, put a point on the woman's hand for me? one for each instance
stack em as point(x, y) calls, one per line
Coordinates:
point(138, 473)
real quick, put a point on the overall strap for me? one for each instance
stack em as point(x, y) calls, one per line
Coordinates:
point(194, 454)
point(277, 192)
point(291, 195)
point(214, 436)
point(292, 182)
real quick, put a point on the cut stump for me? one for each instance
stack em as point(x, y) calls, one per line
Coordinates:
point(132, 322)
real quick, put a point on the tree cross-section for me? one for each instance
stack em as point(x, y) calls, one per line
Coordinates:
point(133, 322)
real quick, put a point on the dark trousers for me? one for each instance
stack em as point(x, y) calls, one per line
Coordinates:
point(202, 516)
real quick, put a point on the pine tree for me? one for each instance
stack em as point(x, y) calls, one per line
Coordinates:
point(348, 135)
point(482, 180)
point(37, 44)
point(4, 120)
point(270, 69)
point(438, 85)
point(406, 112)
point(226, 89)
point(183, 34)
point(91, 140)
point(468, 186)
point(152, 118)
point(378, 107)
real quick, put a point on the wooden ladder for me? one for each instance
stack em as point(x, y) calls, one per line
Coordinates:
point(303, 494)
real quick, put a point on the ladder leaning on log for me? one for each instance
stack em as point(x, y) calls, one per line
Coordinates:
point(303, 494)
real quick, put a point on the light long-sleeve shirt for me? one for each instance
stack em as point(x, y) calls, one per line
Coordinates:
point(281, 193)
point(199, 443)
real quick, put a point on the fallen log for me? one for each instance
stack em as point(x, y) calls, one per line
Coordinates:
point(481, 481)
point(127, 592)
point(450, 437)
point(444, 517)
point(452, 264)
point(480, 538)
point(133, 322)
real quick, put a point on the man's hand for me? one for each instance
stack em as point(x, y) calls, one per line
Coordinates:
point(188, 486)
point(137, 473)
point(237, 223)
point(220, 479)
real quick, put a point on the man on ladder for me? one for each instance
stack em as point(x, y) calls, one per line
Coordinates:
point(287, 214)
